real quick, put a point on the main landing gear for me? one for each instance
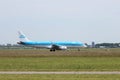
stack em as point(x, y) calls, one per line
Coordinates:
point(52, 50)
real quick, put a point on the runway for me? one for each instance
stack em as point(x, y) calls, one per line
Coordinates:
point(80, 72)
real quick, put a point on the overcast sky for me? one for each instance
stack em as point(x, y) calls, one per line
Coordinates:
point(60, 20)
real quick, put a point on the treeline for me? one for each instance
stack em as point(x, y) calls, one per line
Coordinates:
point(107, 45)
point(14, 46)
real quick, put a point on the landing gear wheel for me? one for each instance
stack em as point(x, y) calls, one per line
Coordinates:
point(52, 50)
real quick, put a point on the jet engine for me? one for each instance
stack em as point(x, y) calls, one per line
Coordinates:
point(62, 47)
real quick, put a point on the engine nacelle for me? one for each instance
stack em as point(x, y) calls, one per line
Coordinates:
point(55, 47)
point(63, 47)
point(49, 47)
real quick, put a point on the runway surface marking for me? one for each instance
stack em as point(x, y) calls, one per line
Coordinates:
point(33, 72)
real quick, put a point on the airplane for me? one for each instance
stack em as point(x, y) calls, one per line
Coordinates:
point(53, 46)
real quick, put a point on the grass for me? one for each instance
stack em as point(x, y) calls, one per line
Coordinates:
point(59, 77)
point(60, 64)
point(112, 52)
point(43, 60)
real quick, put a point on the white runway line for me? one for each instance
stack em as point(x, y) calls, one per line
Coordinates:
point(33, 72)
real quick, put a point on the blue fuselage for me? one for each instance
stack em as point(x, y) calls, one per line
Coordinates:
point(48, 43)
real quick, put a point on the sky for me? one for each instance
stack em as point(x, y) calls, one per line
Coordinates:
point(60, 20)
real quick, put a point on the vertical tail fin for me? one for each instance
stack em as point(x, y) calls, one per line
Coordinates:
point(22, 37)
